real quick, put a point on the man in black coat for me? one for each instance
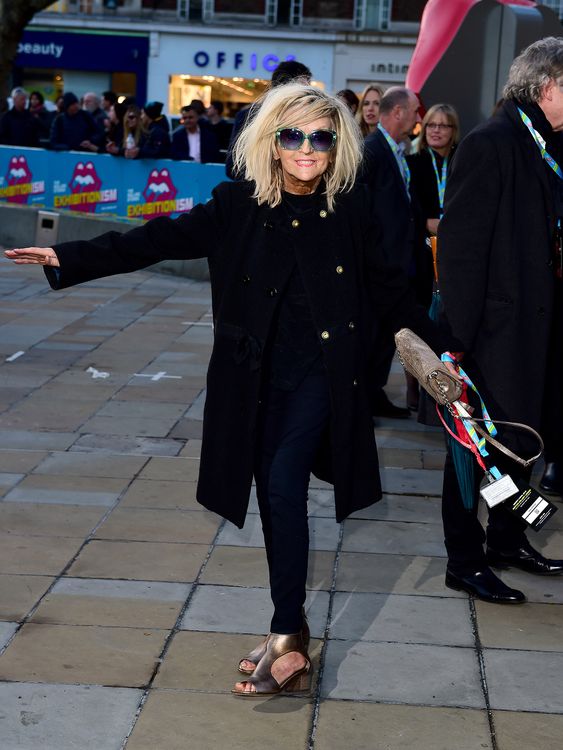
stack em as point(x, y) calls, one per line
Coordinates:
point(386, 173)
point(18, 127)
point(500, 279)
point(74, 129)
point(194, 140)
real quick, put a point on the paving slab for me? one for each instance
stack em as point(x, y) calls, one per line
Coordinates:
point(121, 657)
point(19, 593)
point(393, 537)
point(35, 440)
point(172, 469)
point(29, 555)
point(400, 618)
point(230, 609)
point(7, 630)
point(537, 626)
point(60, 497)
point(129, 443)
point(246, 566)
point(323, 533)
point(402, 673)
point(541, 730)
point(150, 525)
point(369, 726)
point(524, 680)
point(393, 574)
point(172, 719)
point(36, 519)
point(44, 716)
point(144, 561)
point(88, 465)
point(399, 481)
point(548, 589)
point(154, 493)
point(411, 508)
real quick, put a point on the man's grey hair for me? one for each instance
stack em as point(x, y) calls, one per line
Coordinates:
point(18, 91)
point(533, 69)
point(393, 97)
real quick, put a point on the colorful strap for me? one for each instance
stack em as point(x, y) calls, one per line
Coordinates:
point(440, 180)
point(399, 155)
point(479, 442)
point(540, 142)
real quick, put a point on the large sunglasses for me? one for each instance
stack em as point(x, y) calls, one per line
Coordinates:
point(291, 139)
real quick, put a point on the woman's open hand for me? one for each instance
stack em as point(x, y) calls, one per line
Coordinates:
point(43, 256)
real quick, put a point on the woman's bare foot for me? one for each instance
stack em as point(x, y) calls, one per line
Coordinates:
point(282, 668)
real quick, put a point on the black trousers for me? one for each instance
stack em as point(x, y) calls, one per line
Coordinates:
point(291, 426)
point(464, 535)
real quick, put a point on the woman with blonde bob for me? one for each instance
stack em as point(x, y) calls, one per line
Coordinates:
point(296, 279)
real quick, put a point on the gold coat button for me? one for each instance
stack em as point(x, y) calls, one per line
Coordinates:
point(323, 214)
point(355, 382)
point(295, 223)
point(339, 269)
point(351, 325)
point(325, 335)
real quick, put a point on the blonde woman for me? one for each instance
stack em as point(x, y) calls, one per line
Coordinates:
point(132, 131)
point(367, 115)
point(296, 277)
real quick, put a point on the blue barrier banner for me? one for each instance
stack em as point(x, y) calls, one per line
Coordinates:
point(102, 184)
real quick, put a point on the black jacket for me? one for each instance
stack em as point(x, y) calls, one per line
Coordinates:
point(68, 131)
point(495, 262)
point(252, 253)
point(209, 152)
point(19, 128)
point(155, 143)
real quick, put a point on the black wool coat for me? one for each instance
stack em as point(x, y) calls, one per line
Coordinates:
point(253, 253)
point(495, 266)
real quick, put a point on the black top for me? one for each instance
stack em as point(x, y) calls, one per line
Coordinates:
point(295, 349)
point(19, 128)
point(423, 180)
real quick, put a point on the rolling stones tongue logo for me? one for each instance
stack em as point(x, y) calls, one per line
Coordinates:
point(85, 180)
point(18, 174)
point(160, 189)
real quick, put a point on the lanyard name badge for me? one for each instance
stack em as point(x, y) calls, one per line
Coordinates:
point(400, 156)
point(440, 179)
point(550, 161)
point(519, 498)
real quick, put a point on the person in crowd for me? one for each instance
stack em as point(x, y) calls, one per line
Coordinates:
point(18, 127)
point(220, 126)
point(429, 167)
point(500, 268)
point(288, 71)
point(75, 129)
point(199, 107)
point(40, 112)
point(115, 134)
point(155, 139)
point(91, 102)
point(387, 174)
point(194, 141)
point(287, 381)
point(350, 99)
point(59, 105)
point(109, 99)
point(368, 108)
point(132, 132)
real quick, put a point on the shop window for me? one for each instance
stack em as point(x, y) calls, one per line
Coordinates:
point(124, 84)
point(337, 9)
point(407, 10)
point(160, 4)
point(253, 7)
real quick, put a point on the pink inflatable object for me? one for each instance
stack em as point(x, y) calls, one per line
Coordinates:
point(440, 23)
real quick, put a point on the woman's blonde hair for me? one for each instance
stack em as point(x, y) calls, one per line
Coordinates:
point(137, 130)
point(364, 127)
point(452, 118)
point(295, 105)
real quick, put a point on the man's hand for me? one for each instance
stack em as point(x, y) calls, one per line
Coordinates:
point(43, 256)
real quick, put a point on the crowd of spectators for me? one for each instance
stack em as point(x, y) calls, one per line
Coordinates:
point(117, 126)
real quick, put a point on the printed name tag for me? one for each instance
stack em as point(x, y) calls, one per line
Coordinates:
point(498, 491)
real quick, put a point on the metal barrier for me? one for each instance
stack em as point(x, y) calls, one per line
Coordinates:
point(100, 184)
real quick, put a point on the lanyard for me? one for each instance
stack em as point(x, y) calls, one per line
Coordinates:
point(479, 442)
point(541, 144)
point(399, 155)
point(440, 180)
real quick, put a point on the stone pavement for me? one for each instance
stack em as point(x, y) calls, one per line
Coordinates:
point(124, 606)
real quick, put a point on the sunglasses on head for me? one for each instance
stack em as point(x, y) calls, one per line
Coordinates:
point(291, 139)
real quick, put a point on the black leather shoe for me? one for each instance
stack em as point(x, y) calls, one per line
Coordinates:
point(552, 479)
point(484, 585)
point(382, 407)
point(526, 558)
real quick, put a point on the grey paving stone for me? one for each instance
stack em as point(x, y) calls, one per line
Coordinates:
point(60, 497)
point(537, 588)
point(8, 480)
point(396, 438)
point(33, 440)
point(7, 630)
point(65, 346)
point(400, 481)
point(524, 680)
point(404, 508)
point(127, 445)
point(45, 716)
point(405, 619)
point(91, 465)
point(102, 587)
point(230, 609)
point(323, 533)
point(402, 673)
point(393, 537)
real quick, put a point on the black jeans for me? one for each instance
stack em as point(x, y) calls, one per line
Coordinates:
point(291, 426)
point(464, 535)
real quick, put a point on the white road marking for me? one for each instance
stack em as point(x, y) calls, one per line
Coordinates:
point(157, 376)
point(97, 373)
point(14, 356)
